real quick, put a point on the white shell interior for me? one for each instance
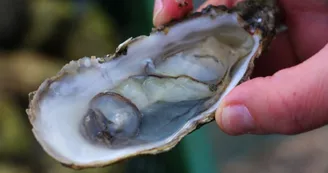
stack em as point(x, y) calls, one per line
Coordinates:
point(61, 107)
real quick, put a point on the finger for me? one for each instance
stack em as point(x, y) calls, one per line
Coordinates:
point(279, 56)
point(291, 101)
point(168, 10)
point(307, 23)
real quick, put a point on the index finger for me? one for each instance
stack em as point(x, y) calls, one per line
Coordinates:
point(168, 10)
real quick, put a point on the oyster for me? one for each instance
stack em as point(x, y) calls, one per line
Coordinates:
point(154, 90)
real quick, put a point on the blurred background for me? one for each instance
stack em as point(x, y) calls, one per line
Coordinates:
point(37, 37)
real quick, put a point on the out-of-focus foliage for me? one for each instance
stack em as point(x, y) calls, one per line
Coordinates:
point(71, 28)
point(21, 75)
point(12, 128)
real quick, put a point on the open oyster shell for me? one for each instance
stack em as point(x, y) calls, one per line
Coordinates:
point(153, 91)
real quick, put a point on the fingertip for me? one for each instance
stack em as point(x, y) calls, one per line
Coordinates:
point(265, 103)
point(235, 116)
point(218, 117)
point(235, 119)
point(291, 101)
point(158, 6)
point(168, 10)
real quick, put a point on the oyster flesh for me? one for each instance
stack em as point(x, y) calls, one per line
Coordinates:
point(153, 90)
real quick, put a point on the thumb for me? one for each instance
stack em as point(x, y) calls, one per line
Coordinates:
point(291, 101)
point(168, 10)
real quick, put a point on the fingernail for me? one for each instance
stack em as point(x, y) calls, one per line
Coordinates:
point(157, 10)
point(168, 10)
point(236, 119)
point(157, 7)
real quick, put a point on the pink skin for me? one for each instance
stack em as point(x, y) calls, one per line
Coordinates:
point(293, 97)
point(168, 10)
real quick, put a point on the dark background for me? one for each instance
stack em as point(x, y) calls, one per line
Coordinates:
point(38, 37)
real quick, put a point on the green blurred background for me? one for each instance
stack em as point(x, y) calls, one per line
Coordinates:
point(37, 37)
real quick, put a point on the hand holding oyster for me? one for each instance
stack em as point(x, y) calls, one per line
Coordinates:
point(288, 101)
point(153, 90)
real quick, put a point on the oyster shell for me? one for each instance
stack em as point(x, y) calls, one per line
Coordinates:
point(154, 90)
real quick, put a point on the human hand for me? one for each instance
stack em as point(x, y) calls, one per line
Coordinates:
point(293, 97)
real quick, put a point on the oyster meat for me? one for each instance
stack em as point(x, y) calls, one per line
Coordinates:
point(153, 90)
